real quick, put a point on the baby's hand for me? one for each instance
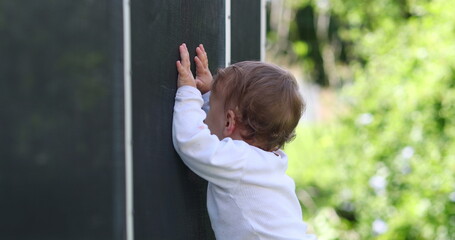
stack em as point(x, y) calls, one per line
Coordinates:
point(203, 74)
point(186, 77)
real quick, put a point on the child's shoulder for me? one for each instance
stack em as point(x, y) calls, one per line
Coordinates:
point(272, 161)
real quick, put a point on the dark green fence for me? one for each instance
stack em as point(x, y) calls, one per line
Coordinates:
point(63, 113)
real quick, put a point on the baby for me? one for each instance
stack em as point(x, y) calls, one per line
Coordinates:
point(254, 109)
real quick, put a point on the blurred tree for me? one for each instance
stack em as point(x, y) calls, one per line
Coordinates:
point(385, 168)
point(321, 34)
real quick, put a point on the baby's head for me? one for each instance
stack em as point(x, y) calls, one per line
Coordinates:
point(258, 102)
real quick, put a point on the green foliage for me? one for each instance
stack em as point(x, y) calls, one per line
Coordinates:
point(385, 168)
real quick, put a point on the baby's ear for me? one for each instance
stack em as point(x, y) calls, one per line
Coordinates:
point(229, 124)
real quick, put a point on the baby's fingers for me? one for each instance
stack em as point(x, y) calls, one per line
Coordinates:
point(206, 59)
point(202, 55)
point(180, 68)
point(185, 56)
point(199, 65)
point(203, 49)
point(185, 76)
point(184, 73)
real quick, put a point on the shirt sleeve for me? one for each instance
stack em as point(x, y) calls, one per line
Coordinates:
point(206, 105)
point(219, 162)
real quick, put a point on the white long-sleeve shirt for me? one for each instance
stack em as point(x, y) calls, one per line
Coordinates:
point(249, 195)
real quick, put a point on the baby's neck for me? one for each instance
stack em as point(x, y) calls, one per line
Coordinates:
point(253, 142)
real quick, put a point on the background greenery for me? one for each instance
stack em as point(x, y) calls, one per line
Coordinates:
point(384, 167)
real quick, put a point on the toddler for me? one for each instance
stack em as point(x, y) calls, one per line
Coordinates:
point(254, 109)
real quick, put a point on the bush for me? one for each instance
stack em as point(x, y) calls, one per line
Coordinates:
point(385, 168)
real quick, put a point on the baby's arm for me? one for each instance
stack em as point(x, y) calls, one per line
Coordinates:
point(203, 76)
point(219, 162)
